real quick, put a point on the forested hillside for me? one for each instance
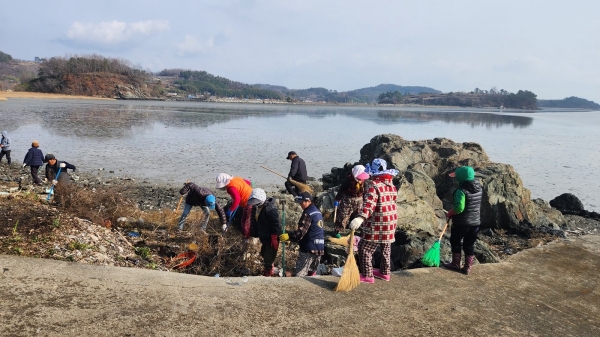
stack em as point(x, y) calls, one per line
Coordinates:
point(201, 82)
point(14, 72)
point(569, 102)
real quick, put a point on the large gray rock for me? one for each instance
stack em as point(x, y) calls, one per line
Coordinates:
point(425, 189)
point(567, 203)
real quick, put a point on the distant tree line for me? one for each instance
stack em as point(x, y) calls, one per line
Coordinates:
point(5, 57)
point(523, 99)
point(202, 82)
point(390, 97)
point(569, 102)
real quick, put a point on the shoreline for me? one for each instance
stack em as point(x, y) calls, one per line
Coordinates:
point(5, 95)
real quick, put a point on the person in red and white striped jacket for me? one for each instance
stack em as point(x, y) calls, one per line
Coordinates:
point(378, 219)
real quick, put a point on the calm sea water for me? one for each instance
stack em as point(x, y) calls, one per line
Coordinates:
point(170, 142)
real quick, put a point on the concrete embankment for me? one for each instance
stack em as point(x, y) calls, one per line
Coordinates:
point(551, 290)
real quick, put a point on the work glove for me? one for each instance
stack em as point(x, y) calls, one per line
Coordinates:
point(228, 214)
point(450, 214)
point(54, 182)
point(24, 165)
point(284, 237)
point(274, 242)
point(63, 165)
point(354, 224)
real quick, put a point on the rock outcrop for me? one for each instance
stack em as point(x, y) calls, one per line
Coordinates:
point(425, 190)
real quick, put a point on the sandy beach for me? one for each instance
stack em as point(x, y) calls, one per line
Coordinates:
point(4, 95)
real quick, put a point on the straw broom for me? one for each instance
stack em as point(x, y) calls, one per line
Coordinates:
point(350, 278)
point(432, 256)
point(301, 187)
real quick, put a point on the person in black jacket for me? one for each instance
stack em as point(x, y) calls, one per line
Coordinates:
point(34, 159)
point(297, 173)
point(59, 181)
point(203, 197)
point(266, 226)
point(466, 218)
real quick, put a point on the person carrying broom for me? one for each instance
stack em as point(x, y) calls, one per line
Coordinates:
point(466, 218)
point(309, 235)
point(379, 216)
point(350, 197)
point(297, 173)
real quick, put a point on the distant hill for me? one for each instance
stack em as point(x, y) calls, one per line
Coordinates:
point(201, 82)
point(364, 95)
point(14, 72)
point(569, 102)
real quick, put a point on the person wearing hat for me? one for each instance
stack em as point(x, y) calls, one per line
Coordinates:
point(239, 190)
point(466, 218)
point(202, 197)
point(5, 146)
point(297, 172)
point(264, 224)
point(378, 218)
point(52, 166)
point(350, 197)
point(309, 235)
point(34, 159)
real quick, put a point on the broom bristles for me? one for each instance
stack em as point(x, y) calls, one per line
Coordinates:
point(302, 187)
point(350, 278)
point(432, 256)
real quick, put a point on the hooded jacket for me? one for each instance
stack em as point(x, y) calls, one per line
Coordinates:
point(5, 141)
point(265, 220)
point(467, 198)
point(196, 196)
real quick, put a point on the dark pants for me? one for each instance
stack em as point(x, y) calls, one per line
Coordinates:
point(7, 153)
point(34, 172)
point(466, 234)
point(268, 253)
point(293, 190)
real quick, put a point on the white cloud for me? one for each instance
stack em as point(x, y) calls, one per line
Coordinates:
point(193, 46)
point(114, 32)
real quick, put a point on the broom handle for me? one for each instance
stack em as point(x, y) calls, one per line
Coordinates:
point(268, 169)
point(444, 230)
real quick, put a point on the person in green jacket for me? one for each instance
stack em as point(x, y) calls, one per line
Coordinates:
point(466, 218)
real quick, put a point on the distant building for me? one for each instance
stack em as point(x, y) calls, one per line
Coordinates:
point(171, 94)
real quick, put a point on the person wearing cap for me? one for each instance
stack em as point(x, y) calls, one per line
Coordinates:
point(264, 224)
point(34, 159)
point(52, 166)
point(5, 146)
point(297, 172)
point(202, 197)
point(466, 218)
point(378, 218)
point(309, 235)
point(239, 190)
point(350, 197)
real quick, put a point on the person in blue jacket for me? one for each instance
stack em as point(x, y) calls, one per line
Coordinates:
point(34, 159)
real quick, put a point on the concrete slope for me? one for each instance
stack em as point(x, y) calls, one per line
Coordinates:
point(547, 291)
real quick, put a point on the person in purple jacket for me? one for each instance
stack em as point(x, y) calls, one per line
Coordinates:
point(34, 159)
point(203, 197)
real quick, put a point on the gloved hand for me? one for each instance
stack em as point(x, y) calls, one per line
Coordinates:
point(24, 165)
point(63, 165)
point(224, 228)
point(228, 214)
point(336, 203)
point(54, 182)
point(274, 242)
point(450, 214)
point(284, 237)
point(354, 224)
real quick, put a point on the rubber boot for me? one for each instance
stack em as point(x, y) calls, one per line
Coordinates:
point(455, 264)
point(468, 264)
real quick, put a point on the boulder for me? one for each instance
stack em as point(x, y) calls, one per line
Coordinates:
point(567, 203)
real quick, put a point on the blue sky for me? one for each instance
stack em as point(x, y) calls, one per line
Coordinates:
point(549, 47)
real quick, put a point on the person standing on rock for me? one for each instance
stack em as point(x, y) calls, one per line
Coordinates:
point(264, 224)
point(466, 218)
point(379, 216)
point(34, 159)
point(309, 235)
point(350, 197)
point(202, 197)
point(297, 173)
point(5, 146)
point(239, 190)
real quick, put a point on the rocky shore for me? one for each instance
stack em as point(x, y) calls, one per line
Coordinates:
point(118, 221)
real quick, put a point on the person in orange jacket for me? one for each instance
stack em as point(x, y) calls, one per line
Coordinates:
point(239, 190)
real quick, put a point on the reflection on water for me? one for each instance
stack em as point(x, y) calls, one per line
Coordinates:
point(176, 141)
